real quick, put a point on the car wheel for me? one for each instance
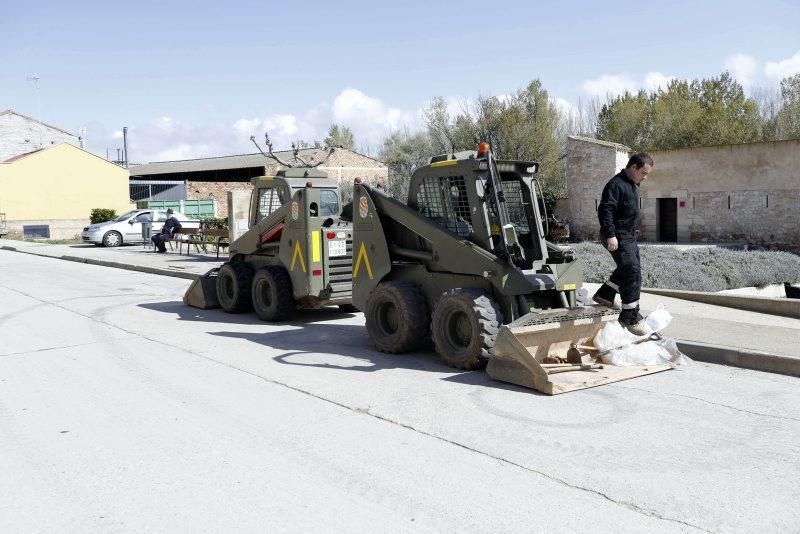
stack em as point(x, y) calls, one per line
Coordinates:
point(112, 239)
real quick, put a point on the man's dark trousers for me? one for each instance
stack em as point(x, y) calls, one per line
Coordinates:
point(628, 274)
point(158, 241)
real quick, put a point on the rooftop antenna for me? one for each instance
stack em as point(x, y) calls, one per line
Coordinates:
point(82, 135)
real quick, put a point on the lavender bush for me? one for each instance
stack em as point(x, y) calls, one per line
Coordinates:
point(697, 269)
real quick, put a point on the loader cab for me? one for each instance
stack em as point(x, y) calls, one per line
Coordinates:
point(455, 191)
point(272, 192)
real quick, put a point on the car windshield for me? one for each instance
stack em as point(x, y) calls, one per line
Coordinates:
point(125, 216)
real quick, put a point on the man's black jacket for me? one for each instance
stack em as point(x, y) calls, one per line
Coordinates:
point(618, 210)
point(170, 226)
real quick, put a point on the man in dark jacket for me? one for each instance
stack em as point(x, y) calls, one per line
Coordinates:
point(170, 225)
point(618, 212)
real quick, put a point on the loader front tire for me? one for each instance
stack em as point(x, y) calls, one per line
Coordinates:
point(272, 294)
point(464, 326)
point(233, 287)
point(396, 317)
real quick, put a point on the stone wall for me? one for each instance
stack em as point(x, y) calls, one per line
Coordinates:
point(748, 192)
point(20, 134)
point(590, 165)
point(59, 228)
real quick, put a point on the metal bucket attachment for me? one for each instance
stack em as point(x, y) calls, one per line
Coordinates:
point(203, 292)
point(540, 351)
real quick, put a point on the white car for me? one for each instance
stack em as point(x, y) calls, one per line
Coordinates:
point(128, 228)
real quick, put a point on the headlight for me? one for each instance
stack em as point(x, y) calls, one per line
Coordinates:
point(94, 229)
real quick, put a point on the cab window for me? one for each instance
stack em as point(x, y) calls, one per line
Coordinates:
point(269, 200)
point(144, 217)
point(329, 203)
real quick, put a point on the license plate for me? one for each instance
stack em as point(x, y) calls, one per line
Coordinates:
point(337, 248)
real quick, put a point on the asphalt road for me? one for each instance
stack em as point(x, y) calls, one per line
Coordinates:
point(123, 410)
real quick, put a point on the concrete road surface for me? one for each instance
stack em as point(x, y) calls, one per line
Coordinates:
point(123, 410)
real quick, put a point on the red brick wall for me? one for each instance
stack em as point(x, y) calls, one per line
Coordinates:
point(217, 191)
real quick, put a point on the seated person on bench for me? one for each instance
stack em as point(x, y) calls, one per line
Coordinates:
point(167, 231)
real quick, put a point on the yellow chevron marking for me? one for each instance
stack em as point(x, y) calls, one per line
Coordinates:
point(362, 253)
point(298, 254)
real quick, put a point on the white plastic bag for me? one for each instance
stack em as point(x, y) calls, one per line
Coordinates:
point(623, 351)
point(658, 320)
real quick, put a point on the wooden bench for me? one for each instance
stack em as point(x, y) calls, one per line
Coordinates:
point(204, 238)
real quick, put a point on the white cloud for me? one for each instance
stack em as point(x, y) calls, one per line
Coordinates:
point(165, 138)
point(743, 67)
point(610, 84)
point(777, 70)
point(563, 106)
point(368, 117)
point(655, 80)
point(617, 84)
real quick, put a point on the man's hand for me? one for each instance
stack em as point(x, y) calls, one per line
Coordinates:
point(612, 244)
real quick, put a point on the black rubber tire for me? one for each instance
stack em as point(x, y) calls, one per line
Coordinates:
point(272, 294)
point(112, 239)
point(347, 308)
point(464, 325)
point(234, 281)
point(396, 317)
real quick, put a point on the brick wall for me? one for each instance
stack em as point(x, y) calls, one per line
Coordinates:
point(19, 134)
point(217, 191)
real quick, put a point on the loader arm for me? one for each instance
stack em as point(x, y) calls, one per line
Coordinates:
point(389, 232)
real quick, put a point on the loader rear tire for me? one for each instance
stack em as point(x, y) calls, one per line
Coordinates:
point(397, 317)
point(272, 294)
point(233, 287)
point(464, 326)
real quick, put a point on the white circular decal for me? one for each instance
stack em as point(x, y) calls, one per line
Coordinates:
point(295, 211)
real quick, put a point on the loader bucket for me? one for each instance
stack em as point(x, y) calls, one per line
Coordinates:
point(203, 292)
point(538, 351)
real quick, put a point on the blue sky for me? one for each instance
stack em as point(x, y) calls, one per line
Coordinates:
point(195, 79)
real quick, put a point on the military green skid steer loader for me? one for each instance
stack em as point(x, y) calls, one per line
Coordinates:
point(297, 252)
point(465, 262)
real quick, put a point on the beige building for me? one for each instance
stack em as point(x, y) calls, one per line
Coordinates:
point(748, 192)
point(214, 177)
point(51, 192)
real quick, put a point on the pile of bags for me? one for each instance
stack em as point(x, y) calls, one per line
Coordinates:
point(626, 349)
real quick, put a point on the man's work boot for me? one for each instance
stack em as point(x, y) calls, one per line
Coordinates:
point(605, 296)
point(630, 319)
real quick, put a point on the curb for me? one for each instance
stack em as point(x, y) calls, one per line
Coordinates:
point(113, 264)
point(774, 306)
point(130, 267)
point(744, 358)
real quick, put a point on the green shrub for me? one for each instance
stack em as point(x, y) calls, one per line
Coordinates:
point(696, 269)
point(102, 215)
point(214, 223)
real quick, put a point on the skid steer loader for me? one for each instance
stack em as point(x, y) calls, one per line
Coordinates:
point(297, 252)
point(465, 262)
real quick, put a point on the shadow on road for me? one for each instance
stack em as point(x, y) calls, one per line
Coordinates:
point(307, 341)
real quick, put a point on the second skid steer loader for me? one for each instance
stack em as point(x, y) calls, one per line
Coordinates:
point(465, 262)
